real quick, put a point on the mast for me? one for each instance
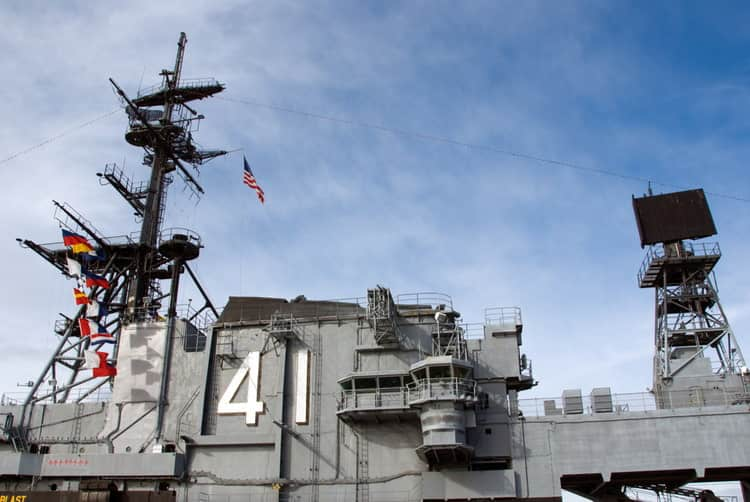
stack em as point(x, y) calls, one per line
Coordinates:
point(156, 191)
point(161, 123)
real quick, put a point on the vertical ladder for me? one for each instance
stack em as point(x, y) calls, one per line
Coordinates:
point(316, 415)
point(76, 435)
point(213, 401)
point(363, 484)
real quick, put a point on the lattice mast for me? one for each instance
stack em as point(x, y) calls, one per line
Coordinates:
point(161, 122)
point(693, 340)
point(166, 136)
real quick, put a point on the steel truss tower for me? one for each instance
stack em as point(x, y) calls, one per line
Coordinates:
point(161, 122)
point(697, 359)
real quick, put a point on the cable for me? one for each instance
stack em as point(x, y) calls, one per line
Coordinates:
point(58, 136)
point(474, 146)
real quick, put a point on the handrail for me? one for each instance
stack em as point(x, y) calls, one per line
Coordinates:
point(431, 299)
point(101, 394)
point(442, 388)
point(402, 397)
point(182, 84)
point(374, 399)
point(643, 402)
point(170, 233)
point(473, 330)
point(503, 315)
point(657, 252)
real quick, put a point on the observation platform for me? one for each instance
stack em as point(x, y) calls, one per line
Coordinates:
point(689, 260)
point(188, 90)
point(403, 403)
point(376, 406)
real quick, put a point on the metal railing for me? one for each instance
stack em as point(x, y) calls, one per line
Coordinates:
point(473, 330)
point(170, 233)
point(375, 399)
point(402, 397)
point(429, 299)
point(441, 388)
point(202, 321)
point(182, 84)
point(7, 400)
point(503, 316)
point(84, 394)
point(658, 252)
point(636, 402)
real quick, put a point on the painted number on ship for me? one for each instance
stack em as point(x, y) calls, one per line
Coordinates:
point(252, 406)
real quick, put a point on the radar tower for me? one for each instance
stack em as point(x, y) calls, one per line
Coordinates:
point(697, 359)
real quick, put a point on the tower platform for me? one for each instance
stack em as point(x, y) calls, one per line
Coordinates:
point(676, 266)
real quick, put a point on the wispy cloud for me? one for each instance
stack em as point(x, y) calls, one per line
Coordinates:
point(349, 207)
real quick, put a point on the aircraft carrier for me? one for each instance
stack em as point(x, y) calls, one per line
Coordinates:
point(386, 397)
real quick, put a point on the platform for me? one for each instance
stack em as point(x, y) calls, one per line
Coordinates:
point(696, 258)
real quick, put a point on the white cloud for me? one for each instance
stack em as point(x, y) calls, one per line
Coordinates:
point(349, 207)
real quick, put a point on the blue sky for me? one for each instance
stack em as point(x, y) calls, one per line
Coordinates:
point(652, 91)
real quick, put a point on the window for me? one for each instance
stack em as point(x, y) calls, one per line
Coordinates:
point(390, 382)
point(440, 372)
point(194, 340)
point(365, 383)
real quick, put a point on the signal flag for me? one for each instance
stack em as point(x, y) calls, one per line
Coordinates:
point(80, 296)
point(76, 243)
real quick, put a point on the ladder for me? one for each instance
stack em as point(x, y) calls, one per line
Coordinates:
point(316, 415)
point(363, 485)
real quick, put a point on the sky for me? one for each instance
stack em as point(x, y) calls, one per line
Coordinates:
point(654, 91)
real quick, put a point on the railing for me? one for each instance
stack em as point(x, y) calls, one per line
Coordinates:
point(503, 316)
point(170, 233)
point(403, 397)
point(442, 388)
point(636, 402)
point(115, 171)
point(202, 320)
point(431, 300)
point(85, 394)
point(658, 252)
point(395, 398)
point(182, 84)
point(473, 331)
point(8, 400)
point(116, 240)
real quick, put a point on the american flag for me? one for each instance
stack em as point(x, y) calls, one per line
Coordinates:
point(249, 180)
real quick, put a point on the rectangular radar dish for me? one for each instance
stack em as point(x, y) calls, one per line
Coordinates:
point(673, 217)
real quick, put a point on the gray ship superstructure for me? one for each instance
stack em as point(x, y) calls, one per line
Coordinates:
point(386, 397)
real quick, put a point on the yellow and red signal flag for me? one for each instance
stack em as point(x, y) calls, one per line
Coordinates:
point(81, 297)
